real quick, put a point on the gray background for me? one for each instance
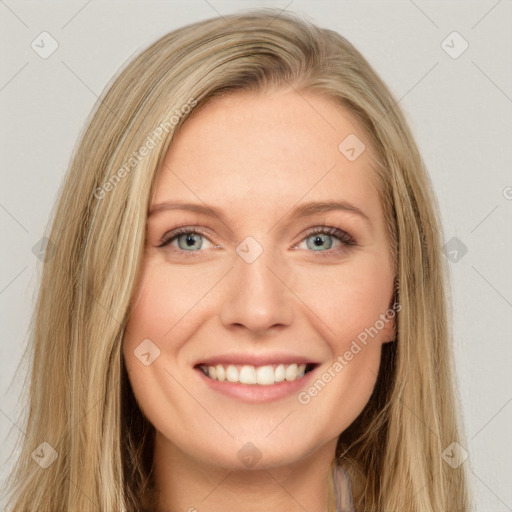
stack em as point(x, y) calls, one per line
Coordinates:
point(460, 110)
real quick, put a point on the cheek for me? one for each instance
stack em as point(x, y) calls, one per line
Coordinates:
point(154, 312)
point(167, 301)
point(343, 385)
point(167, 310)
point(348, 304)
point(348, 301)
point(157, 327)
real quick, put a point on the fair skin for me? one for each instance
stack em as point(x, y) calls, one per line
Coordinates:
point(304, 299)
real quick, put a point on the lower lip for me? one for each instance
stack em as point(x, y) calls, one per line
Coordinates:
point(255, 392)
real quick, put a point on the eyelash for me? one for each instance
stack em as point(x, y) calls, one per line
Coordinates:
point(345, 239)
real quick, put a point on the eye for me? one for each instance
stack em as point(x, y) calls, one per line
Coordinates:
point(189, 240)
point(319, 239)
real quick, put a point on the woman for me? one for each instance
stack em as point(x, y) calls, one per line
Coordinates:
point(195, 345)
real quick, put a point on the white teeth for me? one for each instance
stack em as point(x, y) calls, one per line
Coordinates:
point(221, 373)
point(279, 373)
point(262, 375)
point(232, 373)
point(247, 375)
point(291, 372)
point(265, 375)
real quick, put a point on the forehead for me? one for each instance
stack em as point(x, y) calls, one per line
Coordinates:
point(267, 151)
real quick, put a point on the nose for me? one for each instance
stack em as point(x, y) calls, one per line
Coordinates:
point(257, 296)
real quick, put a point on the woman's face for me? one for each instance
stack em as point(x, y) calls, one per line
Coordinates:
point(253, 290)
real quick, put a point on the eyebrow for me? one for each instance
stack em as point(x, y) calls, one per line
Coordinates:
point(303, 210)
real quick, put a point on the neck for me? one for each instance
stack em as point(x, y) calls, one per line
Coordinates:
point(186, 484)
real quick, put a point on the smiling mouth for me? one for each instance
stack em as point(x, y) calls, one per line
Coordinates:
point(251, 375)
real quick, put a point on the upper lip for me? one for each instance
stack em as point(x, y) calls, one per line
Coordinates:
point(254, 359)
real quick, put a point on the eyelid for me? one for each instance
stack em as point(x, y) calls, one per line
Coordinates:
point(339, 233)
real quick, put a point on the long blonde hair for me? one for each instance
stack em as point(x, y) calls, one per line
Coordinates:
point(80, 399)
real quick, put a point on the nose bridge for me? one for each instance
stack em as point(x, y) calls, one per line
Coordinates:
point(258, 297)
point(254, 267)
